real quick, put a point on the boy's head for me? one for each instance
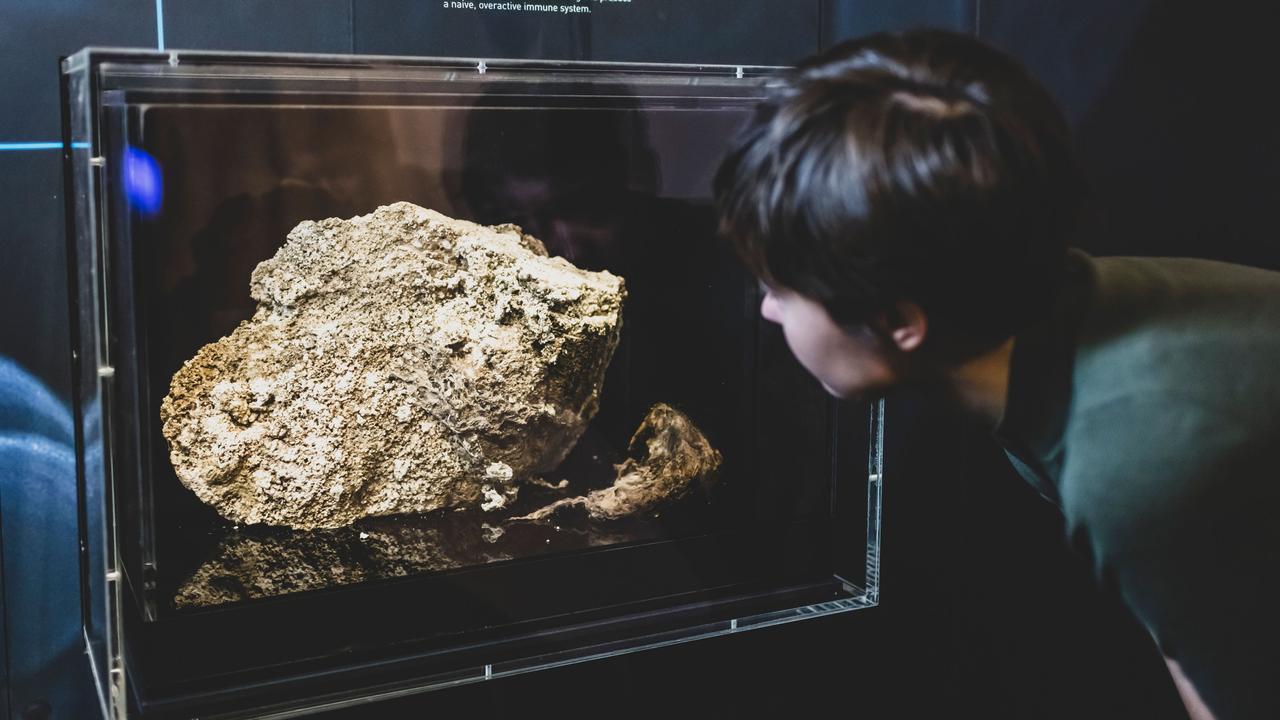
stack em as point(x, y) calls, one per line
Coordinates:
point(916, 178)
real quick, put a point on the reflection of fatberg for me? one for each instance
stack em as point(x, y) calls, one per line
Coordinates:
point(257, 563)
point(398, 362)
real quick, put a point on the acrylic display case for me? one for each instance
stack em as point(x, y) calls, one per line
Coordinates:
point(185, 171)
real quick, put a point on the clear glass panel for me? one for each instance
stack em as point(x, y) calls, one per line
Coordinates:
point(209, 161)
point(92, 368)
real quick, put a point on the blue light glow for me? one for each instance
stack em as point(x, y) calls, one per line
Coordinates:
point(143, 182)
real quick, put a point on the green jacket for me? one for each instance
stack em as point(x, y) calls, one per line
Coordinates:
point(1148, 408)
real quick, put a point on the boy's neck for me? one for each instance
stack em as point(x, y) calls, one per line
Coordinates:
point(982, 383)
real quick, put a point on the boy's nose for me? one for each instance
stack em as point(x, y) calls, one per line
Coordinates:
point(769, 308)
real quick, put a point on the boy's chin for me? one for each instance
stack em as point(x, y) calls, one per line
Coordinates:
point(839, 394)
point(857, 395)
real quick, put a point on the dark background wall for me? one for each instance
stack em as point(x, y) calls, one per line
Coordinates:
point(984, 611)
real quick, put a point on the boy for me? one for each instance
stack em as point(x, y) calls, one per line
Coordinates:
point(906, 201)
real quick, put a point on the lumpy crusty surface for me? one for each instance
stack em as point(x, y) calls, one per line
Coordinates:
point(398, 362)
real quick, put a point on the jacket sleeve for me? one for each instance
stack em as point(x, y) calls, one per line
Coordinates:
point(1176, 505)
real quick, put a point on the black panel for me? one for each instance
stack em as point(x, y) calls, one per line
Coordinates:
point(33, 285)
point(1071, 47)
point(33, 330)
point(34, 33)
point(844, 19)
point(425, 27)
point(1171, 115)
point(33, 291)
point(309, 26)
point(767, 32)
point(762, 32)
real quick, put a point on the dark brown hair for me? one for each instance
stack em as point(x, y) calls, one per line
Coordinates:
point(922, 166)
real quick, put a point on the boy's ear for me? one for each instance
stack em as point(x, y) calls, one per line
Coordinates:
point(909, 327)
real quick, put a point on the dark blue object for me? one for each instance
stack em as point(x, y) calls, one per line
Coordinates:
point(40, 561)
point(27, 407)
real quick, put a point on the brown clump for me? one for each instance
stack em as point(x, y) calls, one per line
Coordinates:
point(670, 457)
point(398, 362)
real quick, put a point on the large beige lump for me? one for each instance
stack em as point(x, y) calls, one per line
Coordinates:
point(398, 362)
